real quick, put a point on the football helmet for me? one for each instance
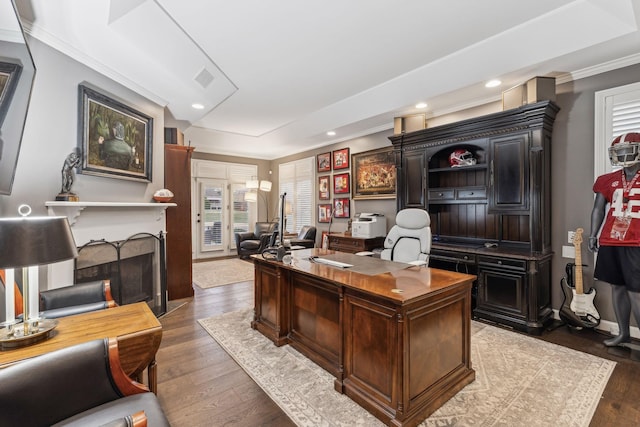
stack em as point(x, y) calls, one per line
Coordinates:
point(625, 150)
point(461, 157)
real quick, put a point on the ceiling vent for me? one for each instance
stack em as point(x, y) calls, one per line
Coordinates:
point(204, 78)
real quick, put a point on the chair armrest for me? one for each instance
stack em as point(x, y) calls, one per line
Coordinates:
point(246, 235)
point(56, 313)
point(80, 294)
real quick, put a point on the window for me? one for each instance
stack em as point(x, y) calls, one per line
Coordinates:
point(617, 111)
point(297, 179)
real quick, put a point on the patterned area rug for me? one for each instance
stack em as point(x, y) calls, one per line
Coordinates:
point(519, 380)
point(221, 272)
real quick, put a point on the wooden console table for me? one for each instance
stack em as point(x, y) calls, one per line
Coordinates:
point(398, 342)
point(342, 243)
point(134, 325)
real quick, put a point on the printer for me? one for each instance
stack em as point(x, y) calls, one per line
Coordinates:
point(369, 225)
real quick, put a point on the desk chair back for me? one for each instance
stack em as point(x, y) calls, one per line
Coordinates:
point(410, 239)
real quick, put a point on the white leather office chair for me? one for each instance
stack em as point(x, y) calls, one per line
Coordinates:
point(409, 240)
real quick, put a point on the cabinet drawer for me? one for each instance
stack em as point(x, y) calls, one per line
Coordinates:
point(472, 193)
point(441, 194)
point(506, 263)
point(453, 256)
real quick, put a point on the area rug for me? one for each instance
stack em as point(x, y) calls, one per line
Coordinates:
point(210, 274)
point(520, 380)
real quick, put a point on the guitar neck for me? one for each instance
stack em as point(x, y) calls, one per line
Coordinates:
point(578, 275)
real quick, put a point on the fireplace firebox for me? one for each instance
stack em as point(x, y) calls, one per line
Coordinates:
point(135, 266)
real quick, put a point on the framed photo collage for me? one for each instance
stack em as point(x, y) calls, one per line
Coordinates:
point(337, 184)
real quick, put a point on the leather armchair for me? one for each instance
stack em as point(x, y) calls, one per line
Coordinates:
point(76, 299)
point(254, 242)
point(306, 237)
point(81, 385)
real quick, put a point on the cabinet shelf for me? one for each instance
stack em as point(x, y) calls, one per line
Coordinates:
point(459, 169)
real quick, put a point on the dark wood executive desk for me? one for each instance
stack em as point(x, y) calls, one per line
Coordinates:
point(398, 342)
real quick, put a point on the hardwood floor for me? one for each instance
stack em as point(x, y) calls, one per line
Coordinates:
point(200, 385)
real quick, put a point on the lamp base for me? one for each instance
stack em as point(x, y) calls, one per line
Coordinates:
point(13, 335)
point(67, 197)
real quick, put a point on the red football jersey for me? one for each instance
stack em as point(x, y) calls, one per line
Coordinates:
point(622, 224)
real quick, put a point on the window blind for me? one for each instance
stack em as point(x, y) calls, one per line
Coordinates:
point(297, 180)
point(617, 110)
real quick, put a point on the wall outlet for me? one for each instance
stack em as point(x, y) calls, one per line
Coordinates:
point(571, 236)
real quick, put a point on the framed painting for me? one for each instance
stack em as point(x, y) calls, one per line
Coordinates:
point(341, 159)
point(116, 141)
point(324, 162)
point(374, 174)
point(341, 207)
point(9, 75)
point(324, 189)
point(341, 183)
point(324, 212)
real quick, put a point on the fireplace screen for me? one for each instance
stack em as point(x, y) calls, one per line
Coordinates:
point(135, 267)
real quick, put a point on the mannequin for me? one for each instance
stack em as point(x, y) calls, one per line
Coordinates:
point(618, 245)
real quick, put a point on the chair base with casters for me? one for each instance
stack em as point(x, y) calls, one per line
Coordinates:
point(408, 241)
point(254, 242)
point(81, 385)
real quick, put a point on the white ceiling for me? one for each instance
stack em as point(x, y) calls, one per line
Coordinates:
point(283, 72)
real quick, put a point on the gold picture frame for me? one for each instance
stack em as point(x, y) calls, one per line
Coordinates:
point(374, 174)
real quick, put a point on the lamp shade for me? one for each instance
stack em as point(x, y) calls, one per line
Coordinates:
point(31, 241)
point(265, 185)
point(252, 183)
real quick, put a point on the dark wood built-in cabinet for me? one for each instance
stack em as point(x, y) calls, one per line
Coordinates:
point(503, 200)
point(177, 178)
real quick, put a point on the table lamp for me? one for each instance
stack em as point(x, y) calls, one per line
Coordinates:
point(26, 243)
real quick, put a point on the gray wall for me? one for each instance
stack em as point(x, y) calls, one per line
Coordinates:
point(51, 133)
point(572, 174)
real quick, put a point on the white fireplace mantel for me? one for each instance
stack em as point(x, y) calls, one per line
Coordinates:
point(72, 210)
point(109, 221)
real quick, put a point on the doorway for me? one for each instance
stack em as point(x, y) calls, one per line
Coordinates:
point(219, 208)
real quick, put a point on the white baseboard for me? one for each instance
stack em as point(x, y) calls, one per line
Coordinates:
point(608, 326)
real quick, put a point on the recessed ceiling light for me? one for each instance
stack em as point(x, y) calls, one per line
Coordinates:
point(331, 133)
point(493, 83)
point(197, 106)
point(421, 105)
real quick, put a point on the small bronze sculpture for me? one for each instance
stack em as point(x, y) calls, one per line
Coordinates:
point(71, 162)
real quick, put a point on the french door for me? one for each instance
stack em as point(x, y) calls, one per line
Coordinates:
point(222, 212)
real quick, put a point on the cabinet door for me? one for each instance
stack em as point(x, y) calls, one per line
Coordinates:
point(413, 180)
point(502, 293)
point(509, 174)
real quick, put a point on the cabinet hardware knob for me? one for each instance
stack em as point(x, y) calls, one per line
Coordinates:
point(440, 194)
point(500, 262)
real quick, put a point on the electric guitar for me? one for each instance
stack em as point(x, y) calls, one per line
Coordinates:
point(580, 313)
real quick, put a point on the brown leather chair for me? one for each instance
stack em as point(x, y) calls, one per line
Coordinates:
point(254, 242)
point(80, 385)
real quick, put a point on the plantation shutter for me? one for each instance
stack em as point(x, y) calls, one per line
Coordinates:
point(617, 112)
point(297, 180)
